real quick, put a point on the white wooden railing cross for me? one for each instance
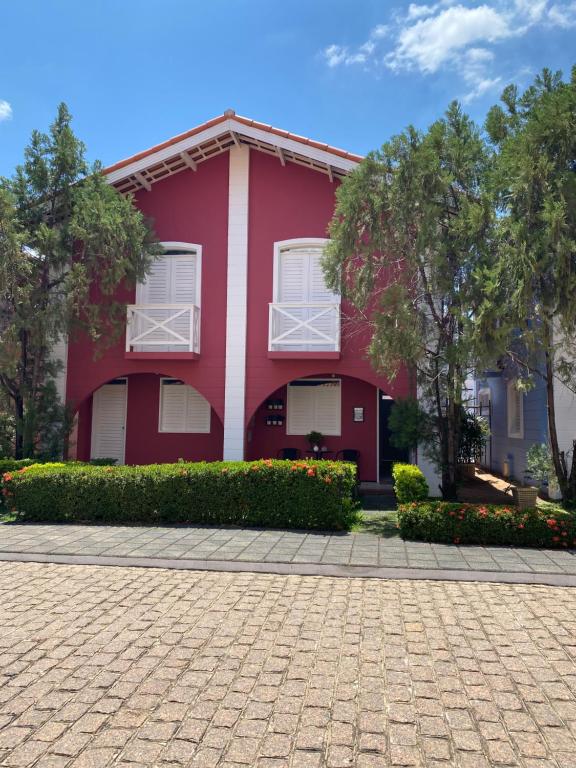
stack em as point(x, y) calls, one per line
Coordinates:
point(302, 327)
point(160, 325)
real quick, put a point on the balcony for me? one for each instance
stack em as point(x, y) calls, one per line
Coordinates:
point(298, 330)
point(162, 330)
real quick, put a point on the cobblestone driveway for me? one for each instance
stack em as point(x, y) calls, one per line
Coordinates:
point(147, 667)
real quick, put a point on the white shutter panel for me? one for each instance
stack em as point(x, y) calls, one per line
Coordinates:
point(327, 408)
point(300, 410)
point(182, 291)
point(293, 276)
point(182, 408)
point(318, 293)
point(197, 412)
point(108, 422)
point(156, 287)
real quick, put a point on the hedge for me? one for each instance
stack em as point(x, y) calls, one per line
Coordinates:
point(409, 483)
point(277, 494)
point(486, 524)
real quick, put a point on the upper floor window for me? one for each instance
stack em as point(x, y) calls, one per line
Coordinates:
point(174, 277)
point(515, 400)
point(305, 314)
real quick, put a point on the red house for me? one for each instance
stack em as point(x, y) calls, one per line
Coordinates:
point(234, 346)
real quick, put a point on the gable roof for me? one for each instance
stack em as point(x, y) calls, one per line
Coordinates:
point(189, 149)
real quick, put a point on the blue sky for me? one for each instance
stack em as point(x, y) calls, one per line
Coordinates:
point(351, 73)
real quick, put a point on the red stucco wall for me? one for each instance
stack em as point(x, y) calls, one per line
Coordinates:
point(266, 441)
point(285, 203)
point(188, 207)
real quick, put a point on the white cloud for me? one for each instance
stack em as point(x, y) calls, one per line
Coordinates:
point(451, 36)
point(5, 110)
point(431, 42)
point(563, 15)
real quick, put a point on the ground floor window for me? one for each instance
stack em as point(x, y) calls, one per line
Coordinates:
point(515, 411)
point(314, 404)
point(182, 408)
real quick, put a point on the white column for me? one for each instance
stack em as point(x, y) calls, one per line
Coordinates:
point(235, 382)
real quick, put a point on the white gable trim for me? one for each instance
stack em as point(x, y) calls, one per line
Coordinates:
point(233, 127)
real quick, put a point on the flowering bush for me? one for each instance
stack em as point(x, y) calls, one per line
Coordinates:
point(454, 523)
point(280, 494)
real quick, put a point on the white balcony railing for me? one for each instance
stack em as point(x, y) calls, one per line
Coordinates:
point(163, 328)
point(295, 327)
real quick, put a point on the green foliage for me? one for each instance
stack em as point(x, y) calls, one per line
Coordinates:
point(409, 424)
point(486, 524)
point(539, 463)
point(64, 230)
point(276, 494)
point(410, 240)
point(534, 188)
point(409, 483)
point(473, 435)
point(314, 438)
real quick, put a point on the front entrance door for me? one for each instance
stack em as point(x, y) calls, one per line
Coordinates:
point(109, 421)
point(388, 453)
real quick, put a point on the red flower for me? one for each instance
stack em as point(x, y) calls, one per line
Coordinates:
point(7, 477)
point(551, 522)
point(310, 473)
point(521, 525)
point(451, 513)
point(555, 538)
point(457, 540)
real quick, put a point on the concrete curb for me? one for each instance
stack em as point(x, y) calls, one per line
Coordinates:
point(300, 569)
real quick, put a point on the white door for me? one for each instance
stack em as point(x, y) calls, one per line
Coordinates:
point(301, 281)
point(109, 421)
point(172, 280)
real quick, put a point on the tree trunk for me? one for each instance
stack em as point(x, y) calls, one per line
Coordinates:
point(19, 418)
point(566, 479)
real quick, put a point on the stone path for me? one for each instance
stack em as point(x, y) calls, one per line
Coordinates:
point(283, 551)
point(133, 668)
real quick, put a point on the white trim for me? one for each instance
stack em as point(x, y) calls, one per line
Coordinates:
point(181, 431)
point(231, 126)
point(236, 304)
point(378, 396)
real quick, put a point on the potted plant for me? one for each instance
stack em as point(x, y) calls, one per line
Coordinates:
point(315, 439)
point(473, 434)
point(540, 467)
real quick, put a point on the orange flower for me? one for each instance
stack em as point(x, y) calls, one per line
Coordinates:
point(310, 473)
point(7, 477)
point(327, 480)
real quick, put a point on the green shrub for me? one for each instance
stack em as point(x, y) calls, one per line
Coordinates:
point(409, 483)
point(278, 494)
point(486, 524)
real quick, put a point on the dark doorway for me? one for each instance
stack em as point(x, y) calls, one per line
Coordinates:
point(388, 453)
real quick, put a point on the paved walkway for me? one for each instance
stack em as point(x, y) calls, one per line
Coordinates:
point(283, 552)
point(135, 668)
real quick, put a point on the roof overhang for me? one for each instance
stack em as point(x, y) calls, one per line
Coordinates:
point(190, 149)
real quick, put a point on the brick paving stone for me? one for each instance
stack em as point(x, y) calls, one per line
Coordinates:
point(146, 667)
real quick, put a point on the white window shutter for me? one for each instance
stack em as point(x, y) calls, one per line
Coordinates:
point(182, 408)
point(300, 410)
point(183, 278)
point(318, 293)
point(314, 406)
point(293, 284)
point(156, 287)
point(327, 408)
point(197, 412)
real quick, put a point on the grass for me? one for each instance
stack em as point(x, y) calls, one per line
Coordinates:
point(383, 523)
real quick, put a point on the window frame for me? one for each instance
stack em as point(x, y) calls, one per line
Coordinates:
point(514, 395)
point(162, 431)
point(314, 427)
point(187, 249)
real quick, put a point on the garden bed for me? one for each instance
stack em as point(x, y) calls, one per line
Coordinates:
point(315, 495)
point(547, 526)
